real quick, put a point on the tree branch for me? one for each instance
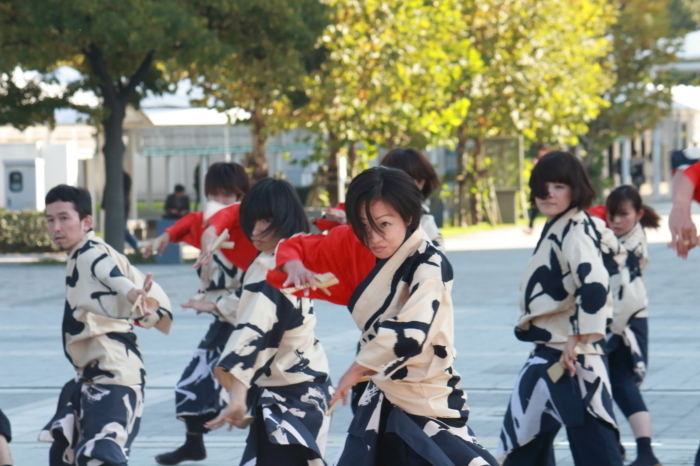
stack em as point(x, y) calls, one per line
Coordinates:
point(99, 67)
point(138, 77)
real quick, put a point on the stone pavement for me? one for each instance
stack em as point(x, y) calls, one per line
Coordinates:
point(485, 296)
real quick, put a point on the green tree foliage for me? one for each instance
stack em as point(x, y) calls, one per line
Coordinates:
point(388, 78)
point(644, 41)
point(265, 77)
point(544, 69)
point(122, 48)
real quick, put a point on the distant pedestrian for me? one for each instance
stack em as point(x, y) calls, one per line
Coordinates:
point(177, 205)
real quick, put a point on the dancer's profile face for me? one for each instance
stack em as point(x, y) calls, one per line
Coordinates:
point(263, 238)
point(65, 227)
point(557, 201)
point(388, 240)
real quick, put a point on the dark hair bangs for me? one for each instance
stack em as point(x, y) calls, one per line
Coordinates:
point(276, 201)
point(226, 179)
point(624, 193)
point(390, 185)
point(620, 195)
point(565, 168)
point(81, 199)
point(417, 166)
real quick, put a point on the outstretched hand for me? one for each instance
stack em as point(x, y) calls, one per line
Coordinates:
point(232, 415)
point(134, 294)
point(684, 235)
point(199, 306)
point(208, 238)
point(299, 276)
point(162, 242)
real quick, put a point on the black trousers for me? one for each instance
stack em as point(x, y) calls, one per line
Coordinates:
point(594, 443)
point(274, 454)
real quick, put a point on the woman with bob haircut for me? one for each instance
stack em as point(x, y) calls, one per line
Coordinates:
point(419, 168)
point(565, 303)
point(412, 411)
point(198, 395)
point(273, 346)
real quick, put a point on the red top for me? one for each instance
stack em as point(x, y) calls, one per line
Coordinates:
point(693, 174)
point(339, 252)
point(243, 252)
point(188, 229)
point(599, 211)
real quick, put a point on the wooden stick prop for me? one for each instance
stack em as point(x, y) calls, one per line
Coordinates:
point(332, 408)
point(325, 281)
point(219, 242)
point(555, 371)
point(138, 304)
point(685, 242)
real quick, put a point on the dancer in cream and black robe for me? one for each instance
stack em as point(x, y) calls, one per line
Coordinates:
point(566, 302)
point(198, 395)
point(99, 412)
point(413, 411)
point(628, 333)
point(274, 348)
point(273, 365)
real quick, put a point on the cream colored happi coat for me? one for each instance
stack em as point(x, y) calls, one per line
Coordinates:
point(404, 309)
point(566, 287)
point(273, 344)
point(220, 281)
point(631, 300)
point(98, 320)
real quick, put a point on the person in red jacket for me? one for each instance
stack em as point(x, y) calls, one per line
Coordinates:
point(397, 285)
point(198, 395)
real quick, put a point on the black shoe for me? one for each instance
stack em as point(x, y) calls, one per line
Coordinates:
point(192, 450)
point(646, 461)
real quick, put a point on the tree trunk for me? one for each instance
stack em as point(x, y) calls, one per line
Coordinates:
point(113, 202)
point(332, 180)
point(352, 159)
point(256, 160)
point(115, 99)
point(475, 175)
point(460, 217)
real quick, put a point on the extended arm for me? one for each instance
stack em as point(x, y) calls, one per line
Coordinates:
point(683, 231)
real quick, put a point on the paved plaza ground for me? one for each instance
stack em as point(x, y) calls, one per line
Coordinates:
point(487, 267)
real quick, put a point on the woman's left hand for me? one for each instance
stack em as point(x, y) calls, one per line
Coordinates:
point(568, 355)
point(351, 377)
point(199, 306)
point(232, 415)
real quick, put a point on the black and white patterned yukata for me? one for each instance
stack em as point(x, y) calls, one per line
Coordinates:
point(566, 290)
point(274, 352)
point(413, 411)
point(99, 412)
point(628, 334)
point(198, 393)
